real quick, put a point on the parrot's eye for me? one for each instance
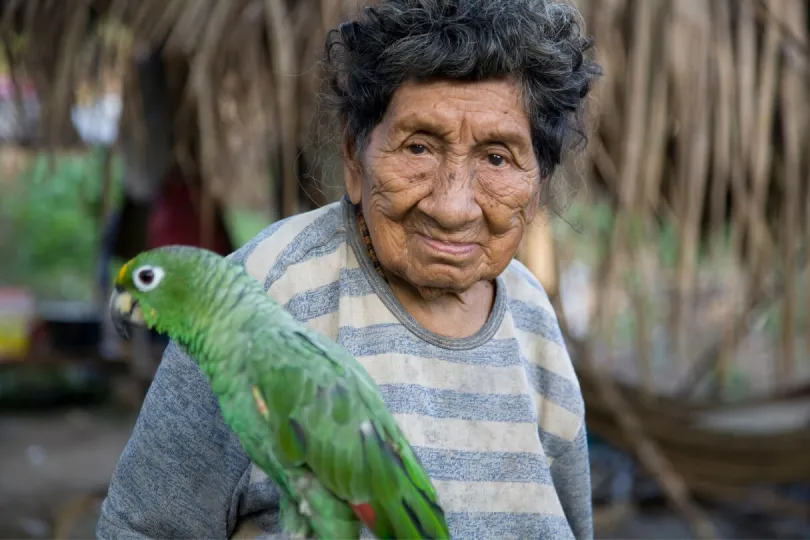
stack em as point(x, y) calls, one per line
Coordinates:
point(147, 278)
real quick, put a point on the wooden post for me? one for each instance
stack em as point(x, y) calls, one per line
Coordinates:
point(536, 251)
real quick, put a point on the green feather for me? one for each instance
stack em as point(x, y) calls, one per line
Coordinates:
point(304, 409)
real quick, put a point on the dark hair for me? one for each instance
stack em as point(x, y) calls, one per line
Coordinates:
point(538, 42)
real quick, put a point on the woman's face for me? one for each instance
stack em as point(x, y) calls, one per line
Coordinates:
point(448, 182)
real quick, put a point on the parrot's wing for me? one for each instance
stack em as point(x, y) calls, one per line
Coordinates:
point(330, 419)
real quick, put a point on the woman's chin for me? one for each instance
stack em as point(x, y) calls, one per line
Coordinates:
point(444, 277)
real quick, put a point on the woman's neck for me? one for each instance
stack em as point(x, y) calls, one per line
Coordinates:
point(451, 314)
point(447, 313)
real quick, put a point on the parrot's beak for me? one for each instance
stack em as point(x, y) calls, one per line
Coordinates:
point(124, 312)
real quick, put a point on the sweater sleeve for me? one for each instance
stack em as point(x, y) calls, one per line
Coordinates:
point(181, 471)
point(571, 473)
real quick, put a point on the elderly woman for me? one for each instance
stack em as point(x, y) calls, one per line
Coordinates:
point(454, 115)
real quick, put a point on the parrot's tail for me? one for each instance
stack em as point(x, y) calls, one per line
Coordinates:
point(405, 503)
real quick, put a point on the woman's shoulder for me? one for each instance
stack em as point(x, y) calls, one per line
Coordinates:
point(530, 306)
point(309, 242)
point(523, 287)
point(536, 324)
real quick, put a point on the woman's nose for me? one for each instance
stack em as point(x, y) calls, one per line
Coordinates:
point(451, 203)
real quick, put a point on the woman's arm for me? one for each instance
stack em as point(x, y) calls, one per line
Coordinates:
point(571, 473)
point(180, 473)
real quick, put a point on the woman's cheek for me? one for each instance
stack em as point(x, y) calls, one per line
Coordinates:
point(402, 183)
point(502, 198)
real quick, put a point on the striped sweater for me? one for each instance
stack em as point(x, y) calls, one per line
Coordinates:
point(497, 418)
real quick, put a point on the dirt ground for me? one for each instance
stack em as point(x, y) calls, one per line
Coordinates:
point(50, 460)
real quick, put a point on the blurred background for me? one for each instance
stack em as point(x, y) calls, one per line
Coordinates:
point(679, 267)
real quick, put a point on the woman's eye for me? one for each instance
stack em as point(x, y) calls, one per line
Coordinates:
point(496, 160)
point(417, 149)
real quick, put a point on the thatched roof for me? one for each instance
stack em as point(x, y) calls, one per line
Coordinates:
point(251, 68)
point(696, 94)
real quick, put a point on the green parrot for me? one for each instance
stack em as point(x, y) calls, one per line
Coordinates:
point(304, 409)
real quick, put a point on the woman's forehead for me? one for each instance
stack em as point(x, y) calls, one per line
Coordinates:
point(441, 107)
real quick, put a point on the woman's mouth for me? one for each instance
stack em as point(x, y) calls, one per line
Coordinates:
point(455, 249)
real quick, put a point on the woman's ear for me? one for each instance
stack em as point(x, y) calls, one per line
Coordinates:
point(352, 168)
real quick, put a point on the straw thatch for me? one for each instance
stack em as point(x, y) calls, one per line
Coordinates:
point(701, 123)
point(243, 74)
point(698, 125)
point(717, 80)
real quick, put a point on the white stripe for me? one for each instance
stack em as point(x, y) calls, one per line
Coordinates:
point(547, 354)
point(468, 435)
point(507, 328)
point(310, 274)
point(264, 255)
point(518, 497)
point(457, 496)
point(325, 324)
point(362, 311)
point(508, 380)
point(557, 420)
point(520, 288)
point(433, 373)
point(365, 311)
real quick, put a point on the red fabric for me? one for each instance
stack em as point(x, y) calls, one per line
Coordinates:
point(175, 220)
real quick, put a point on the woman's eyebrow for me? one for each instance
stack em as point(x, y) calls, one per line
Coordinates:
point(413, 123)
point(508, 137)
point(497, 135)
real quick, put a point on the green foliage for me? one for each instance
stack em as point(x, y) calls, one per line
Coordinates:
point(50, 217)
point(668, 244)
point(50, 229)
point(587, 228)
point(245, 224)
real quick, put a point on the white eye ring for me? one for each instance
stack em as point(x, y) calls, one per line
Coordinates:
point(147, 277)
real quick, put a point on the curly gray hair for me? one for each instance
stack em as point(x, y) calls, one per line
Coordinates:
point(538, 42)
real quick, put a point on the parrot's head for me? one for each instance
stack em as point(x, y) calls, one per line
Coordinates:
point(159, 289)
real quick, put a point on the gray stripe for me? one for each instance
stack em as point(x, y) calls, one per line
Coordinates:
point(536, 320)
point(553, 445)
point(268, 522)
point(555, 388)
point(394, 338)
point(315, 302)
point(511, 525)
point(454, 465)
point(308, 243)
point(442, 464)
point(237, 496)
point(325, 299)
point(353, 282)
point(475, 525)
point(439, 403)
point(259, 496)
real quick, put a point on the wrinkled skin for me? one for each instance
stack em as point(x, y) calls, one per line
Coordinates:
point(448, 183)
